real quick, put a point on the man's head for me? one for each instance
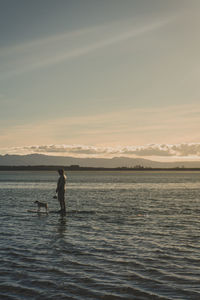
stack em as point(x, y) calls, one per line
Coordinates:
point(60, 171)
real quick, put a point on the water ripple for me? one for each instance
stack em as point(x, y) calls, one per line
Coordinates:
point(124, 237)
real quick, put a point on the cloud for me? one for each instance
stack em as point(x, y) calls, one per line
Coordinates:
point(55, 49)
point(75, 150)
point(177, 125)
point(191, 150)
point(179, 150)
point(48, 41)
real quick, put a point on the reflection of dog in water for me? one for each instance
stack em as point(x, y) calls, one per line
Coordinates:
point(41, 204)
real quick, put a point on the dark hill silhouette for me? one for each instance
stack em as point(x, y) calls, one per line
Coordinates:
point(40, 159)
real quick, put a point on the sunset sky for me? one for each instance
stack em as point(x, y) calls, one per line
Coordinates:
point(100, 78)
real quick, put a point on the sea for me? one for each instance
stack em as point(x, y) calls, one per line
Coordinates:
point(126, 235)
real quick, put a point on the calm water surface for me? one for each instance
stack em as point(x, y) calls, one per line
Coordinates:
point(127, 235)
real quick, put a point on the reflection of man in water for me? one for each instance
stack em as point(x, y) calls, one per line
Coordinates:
point(61, 190)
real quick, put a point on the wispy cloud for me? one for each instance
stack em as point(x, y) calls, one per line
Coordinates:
point(48, 41)
point(66, 46)
point(169, 125)
point(175, 131)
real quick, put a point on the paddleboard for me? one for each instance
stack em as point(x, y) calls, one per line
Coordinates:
point(44, 212)
point(38, 212)
point(59, 212)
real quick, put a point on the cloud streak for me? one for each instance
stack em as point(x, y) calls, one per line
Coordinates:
point(158, 126)
point(59, 48)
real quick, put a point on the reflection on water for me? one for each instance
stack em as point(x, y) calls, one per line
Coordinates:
point(131, 235)
point(62, 225)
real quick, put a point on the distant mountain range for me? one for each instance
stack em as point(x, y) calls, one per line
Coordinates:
point(45, 160)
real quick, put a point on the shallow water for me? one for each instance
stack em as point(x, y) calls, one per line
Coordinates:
point(127, 235)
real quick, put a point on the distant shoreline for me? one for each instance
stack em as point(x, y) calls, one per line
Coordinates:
point(78, 168)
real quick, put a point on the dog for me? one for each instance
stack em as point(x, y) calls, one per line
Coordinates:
point(41, 204)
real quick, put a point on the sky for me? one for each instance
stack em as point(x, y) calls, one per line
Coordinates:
point(100, 78)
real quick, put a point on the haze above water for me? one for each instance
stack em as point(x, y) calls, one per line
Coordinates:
point(127, 235)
